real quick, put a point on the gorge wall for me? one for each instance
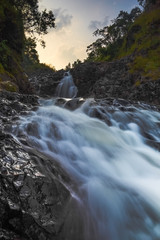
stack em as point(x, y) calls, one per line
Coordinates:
point(102, 80)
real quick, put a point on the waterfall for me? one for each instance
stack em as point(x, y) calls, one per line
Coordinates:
point(115, 173)
point(66, 88)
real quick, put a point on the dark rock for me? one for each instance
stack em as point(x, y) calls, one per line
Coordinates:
point(33, 201)
point(45, 82)
point(102, 80)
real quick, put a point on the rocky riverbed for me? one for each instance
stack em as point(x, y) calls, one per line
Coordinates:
point(40, 201)
point(35, 202)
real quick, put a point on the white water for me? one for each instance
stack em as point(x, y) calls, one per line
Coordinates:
point(66, 88)
point(116, 174)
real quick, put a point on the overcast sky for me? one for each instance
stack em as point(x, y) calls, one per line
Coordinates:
point(76, 20)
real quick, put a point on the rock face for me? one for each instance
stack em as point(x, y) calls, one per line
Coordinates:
point(32, 203)
point(45, 82)
point(113, 79)
point(101, 80)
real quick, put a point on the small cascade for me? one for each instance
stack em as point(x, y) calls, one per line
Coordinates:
point(116, 175)
point(66, 88)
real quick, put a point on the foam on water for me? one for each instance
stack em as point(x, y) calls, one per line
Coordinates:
point(116, 173)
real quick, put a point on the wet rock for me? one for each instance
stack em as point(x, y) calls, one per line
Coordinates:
point(45, 82)
point(33, 201)
point(34, 198)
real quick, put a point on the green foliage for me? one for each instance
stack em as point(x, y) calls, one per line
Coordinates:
point(33, 67)
point(106, 47)
point(145, 44)
point(18, 17)
point(11, 27)
point(31, 59)
point(68, 67)
point(11, 37)
point(1, 68)
point(9, 86)
point(147, 3)
point(5, 53)
point(34, 21)
point(76, 63)
point(135, 34)
point(30, 52)
point(2, 71)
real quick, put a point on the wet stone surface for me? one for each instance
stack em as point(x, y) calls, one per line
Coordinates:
point(102, 80)
point(35, 203)
point(32, 202)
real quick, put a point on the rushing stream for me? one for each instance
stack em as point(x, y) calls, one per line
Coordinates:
point(113, 163)
point(116, 174)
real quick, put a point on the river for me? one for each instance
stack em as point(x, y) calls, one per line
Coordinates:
point(113, 163)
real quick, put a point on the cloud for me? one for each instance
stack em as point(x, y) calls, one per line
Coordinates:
point(94, 24)
point(68, 53)
point(62, 18)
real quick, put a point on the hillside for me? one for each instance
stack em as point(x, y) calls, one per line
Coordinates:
point(136, 34)
point(143, 41)
point(21, 26)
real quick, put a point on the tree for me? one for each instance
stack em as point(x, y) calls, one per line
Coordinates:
point(76, 63)
point(110, 37)
point(68, 67)
point(34, 21)
point(30, 52)
point(142, 3)
point(146, 4)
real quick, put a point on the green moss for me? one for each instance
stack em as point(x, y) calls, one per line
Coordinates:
point(1, 68)
point(9, 86)
point(148, 65)
point(147, 36)
point(33, 67)
point(11, 46)
point(143, 40)
point(137, 83)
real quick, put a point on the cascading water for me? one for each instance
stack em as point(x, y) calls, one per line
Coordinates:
point(116, 175)
point(66, 88)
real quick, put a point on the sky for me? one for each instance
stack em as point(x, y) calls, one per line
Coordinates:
point(76, 20)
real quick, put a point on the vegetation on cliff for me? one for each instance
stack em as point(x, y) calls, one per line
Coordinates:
point(31, 61)
point(143, 39)
point(17, 18)
point(111, 37)
point(136, 33)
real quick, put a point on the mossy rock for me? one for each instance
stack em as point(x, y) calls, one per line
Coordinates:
point(7, 81)
point(9, 86)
